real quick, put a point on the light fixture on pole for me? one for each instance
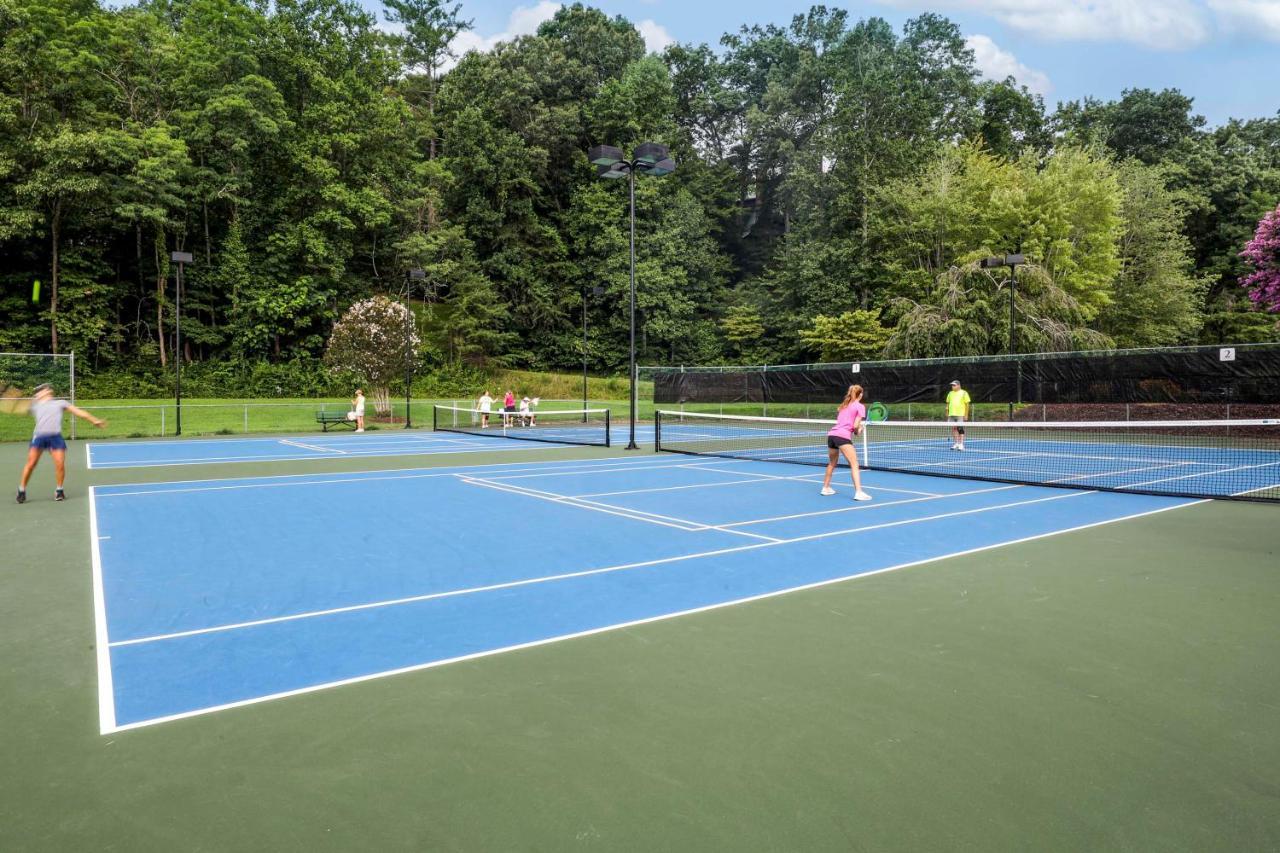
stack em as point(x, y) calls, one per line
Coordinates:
point(414, 275)
point(1010, 261)
point(179, 258)
point(650, 158)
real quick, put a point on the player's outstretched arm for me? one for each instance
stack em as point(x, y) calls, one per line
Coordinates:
point(82, 414)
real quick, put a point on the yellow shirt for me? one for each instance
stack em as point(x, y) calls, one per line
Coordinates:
point(957, 403)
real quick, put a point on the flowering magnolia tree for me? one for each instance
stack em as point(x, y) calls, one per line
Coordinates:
point(377, 341)
point(1263, 253)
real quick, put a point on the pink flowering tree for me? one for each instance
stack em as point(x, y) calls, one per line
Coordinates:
point(377, 341)
point(1263, 254)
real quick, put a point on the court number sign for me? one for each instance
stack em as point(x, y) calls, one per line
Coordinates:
point(1227, 354)
point(855, 367)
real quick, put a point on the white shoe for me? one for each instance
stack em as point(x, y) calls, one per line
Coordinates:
point(359, 430)
point(828, 491)
point(959, 447)
point(955, 447)
point(862, 496)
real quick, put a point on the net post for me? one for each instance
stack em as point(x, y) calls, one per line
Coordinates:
point(608, 427)
point(866, 427)
point(657, 430)
point(73, 391)
point(435, 415)
point(246, 417)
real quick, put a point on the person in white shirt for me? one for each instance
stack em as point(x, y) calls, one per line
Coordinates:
point(47, 410)
point(486, 406)
point(357, 409)
point(526, 419)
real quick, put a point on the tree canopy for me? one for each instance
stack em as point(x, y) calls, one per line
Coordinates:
point(837, 180)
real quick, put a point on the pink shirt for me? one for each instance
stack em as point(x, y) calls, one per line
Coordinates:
point(509, 399)
point(845, 420)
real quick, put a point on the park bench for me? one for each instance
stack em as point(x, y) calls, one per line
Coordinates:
point(328, 419)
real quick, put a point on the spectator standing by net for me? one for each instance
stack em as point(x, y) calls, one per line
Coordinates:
point(47, 410)
point(959, 408)
point(485, 405)
point(849, 421)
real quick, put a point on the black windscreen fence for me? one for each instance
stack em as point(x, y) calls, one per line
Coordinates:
point(1245, 374)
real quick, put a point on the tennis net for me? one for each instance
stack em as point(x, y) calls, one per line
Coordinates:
point(1200, 459)
point(571, 426)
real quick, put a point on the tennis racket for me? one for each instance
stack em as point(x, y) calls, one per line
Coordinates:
point(13, 401)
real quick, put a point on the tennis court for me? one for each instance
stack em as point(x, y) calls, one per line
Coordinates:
point(188, 624)
point(206, 451)
point(676, 650)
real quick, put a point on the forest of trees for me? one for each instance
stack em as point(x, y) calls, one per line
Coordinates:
point(837, 182)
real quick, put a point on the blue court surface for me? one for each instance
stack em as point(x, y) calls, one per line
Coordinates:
point(148, 454)
point(219, 593)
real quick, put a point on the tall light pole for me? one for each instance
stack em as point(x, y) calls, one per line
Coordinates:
point(1010, 261)
point(595, 291)
point(180, 258)
point(414, 275)
point(650, 158)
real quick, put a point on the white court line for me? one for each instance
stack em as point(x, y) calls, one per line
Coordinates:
point(611, 509)
point(1109, 473)
point(314, 447)
point(358, 477)
point(272, 620)
point(106, 689)
point(639, 462)
point(873, 505)
point(407, 450)
point(1213, 473)
point(972, 457)
point(349, 438)
point(753, 480)
point(284, 694)
point(815, 477)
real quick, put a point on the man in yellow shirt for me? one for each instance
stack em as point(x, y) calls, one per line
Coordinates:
point(958, 409)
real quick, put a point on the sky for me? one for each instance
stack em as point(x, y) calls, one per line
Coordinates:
point(1222, 53)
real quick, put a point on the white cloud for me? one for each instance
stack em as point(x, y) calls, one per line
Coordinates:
point(523, 21)
point(1257, 17)
point(1159, 24)
point(995, 63)
point(656, 38)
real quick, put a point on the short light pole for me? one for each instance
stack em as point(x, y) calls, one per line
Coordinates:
point(1010, 261)
point(414, 275)
point(180, 258)
point(650, 158)
point(595, 291)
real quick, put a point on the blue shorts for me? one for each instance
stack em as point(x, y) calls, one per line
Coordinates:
point(49, 442)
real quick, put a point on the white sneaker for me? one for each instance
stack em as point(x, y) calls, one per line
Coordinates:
point(359, 430)
point(955, 447)
point(959, 447)
point(828, 491)
point(862, 496)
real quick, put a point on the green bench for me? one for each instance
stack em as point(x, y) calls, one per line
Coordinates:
point(328, 419)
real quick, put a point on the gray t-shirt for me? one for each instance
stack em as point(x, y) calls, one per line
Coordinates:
point(48, 415)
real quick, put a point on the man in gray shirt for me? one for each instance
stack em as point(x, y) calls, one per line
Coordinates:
point(47, 410)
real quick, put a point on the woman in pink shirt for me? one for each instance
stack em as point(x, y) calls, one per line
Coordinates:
point(840, 440)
